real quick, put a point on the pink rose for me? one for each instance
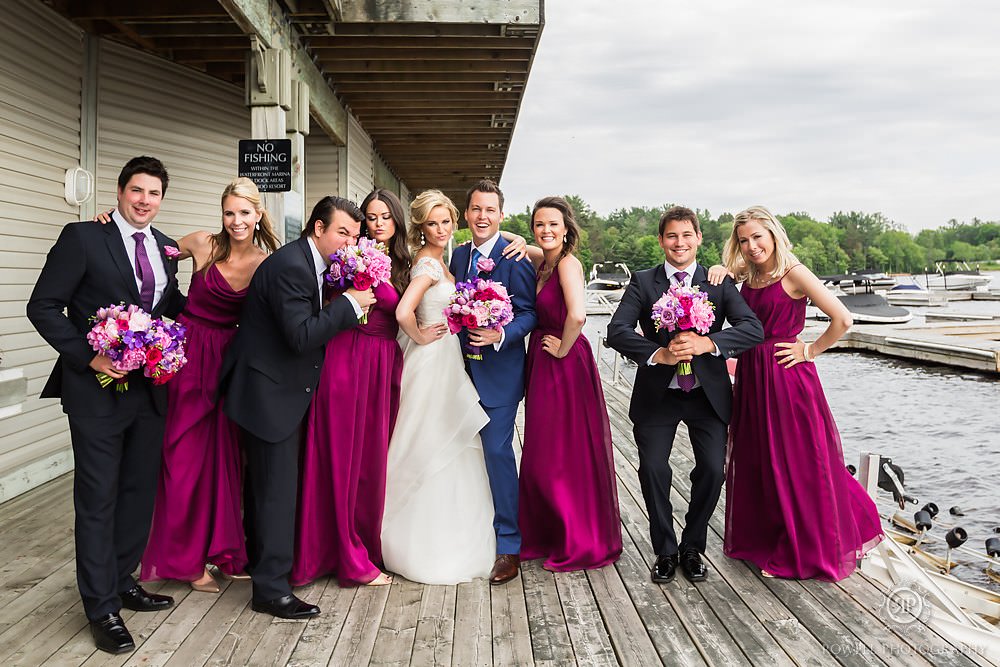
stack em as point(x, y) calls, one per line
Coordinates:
point(485, 265)
point(362, 281)
point(171, 252)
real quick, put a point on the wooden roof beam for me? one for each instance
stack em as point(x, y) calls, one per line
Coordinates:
point(255, 18)
point(527, 12)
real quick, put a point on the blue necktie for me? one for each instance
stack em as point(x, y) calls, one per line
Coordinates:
point(476, 256)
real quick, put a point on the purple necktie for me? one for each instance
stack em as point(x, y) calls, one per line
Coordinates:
point(681, 276)
point(144, 272)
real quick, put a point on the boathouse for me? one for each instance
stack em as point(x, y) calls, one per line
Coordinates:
point(399, 95)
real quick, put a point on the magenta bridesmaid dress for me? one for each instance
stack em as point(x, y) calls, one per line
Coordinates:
point(568, 510)
point(197, 517)
point(342, 480)
point(792, 508)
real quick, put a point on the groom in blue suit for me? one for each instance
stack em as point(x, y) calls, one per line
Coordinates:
point(499, 376)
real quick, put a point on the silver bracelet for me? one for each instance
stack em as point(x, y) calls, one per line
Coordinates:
point(805, 353)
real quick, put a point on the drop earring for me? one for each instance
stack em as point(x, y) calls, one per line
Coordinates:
point(257, 227)
point(422, 239)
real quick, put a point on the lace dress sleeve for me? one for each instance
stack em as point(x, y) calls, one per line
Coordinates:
point(427, 266)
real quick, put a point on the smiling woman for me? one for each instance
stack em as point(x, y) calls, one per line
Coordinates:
point(197, 518)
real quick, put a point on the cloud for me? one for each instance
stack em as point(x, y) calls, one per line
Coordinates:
point(799, 106)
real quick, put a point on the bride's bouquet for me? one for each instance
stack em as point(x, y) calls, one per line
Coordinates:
point(132, 339)
point(684, 308)
point(478, 303)
point(365, 265)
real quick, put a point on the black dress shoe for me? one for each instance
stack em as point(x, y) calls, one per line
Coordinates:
point(288, 606)
point(694, 568)
point(111, 635)
point(137, 599)
point(664, 569)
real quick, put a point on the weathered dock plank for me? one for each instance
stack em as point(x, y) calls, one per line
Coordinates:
point(396, 633)
point(611, 616)
point(434, 638)
point(473, 646)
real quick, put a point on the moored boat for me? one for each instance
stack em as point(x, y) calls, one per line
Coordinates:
point(955, 274)
point(865, 305)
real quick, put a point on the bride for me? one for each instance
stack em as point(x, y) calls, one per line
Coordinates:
point(438, 522)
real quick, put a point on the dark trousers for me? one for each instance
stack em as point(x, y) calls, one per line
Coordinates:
point(655, 439)
point(273, 473)
point(117, 463)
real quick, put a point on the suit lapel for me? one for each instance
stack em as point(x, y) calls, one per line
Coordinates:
point(661, 283)
point(497, 254)
point(303, 244)
point(116, 247)
point(462, 260)
point(700, 275)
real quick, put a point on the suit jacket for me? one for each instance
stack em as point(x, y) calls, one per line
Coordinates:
point(272, 367)
point(87, 269)
point(651, 382)
point(499, 377)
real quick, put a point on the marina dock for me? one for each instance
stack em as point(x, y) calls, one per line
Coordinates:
point(971, 342)
point(611, 616)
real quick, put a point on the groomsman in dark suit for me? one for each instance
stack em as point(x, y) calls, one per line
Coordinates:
point(268, 377)
point(117, 436)
point(659, 404)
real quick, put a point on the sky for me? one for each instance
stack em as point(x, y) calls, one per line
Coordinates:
point(888, 106)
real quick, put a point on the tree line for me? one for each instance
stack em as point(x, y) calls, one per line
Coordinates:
point(847, 242)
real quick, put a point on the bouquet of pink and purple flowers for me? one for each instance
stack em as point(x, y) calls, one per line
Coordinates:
point(364, 265)
point(684, 308)
point(478, 303)
point(132, 339)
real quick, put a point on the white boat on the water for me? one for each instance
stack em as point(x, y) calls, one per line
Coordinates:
point(605, 286)
point(955, 274)
point(908, 292)
point(611, 278)
point(865, 305)
point(919, 584)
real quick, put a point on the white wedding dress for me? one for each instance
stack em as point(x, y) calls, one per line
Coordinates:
point(438, 521)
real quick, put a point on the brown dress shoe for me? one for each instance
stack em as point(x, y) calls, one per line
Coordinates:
point(505, 568)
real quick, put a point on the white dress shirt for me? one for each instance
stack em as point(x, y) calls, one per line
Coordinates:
point(321, 267)
point(152, 252)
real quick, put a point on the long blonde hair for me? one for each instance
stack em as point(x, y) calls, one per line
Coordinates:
point(733, 258)
point(263, 233)
point(420, 209)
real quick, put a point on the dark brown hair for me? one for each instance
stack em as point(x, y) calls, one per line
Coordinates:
point(323, 211)
point(572, 239)
point(485, 185)
point(679, 213)
point(144, 165)
point(399, 252)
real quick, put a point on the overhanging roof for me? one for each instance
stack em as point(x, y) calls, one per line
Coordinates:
point(437, 84)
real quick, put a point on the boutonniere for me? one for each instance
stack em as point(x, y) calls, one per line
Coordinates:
point(485, 265)
point(171, 252)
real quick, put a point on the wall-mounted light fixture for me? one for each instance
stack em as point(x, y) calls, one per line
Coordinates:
point(79, 186)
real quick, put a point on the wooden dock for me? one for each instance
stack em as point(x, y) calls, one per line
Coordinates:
point(602, 617)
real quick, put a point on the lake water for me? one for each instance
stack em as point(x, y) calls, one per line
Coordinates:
point(940, 424)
